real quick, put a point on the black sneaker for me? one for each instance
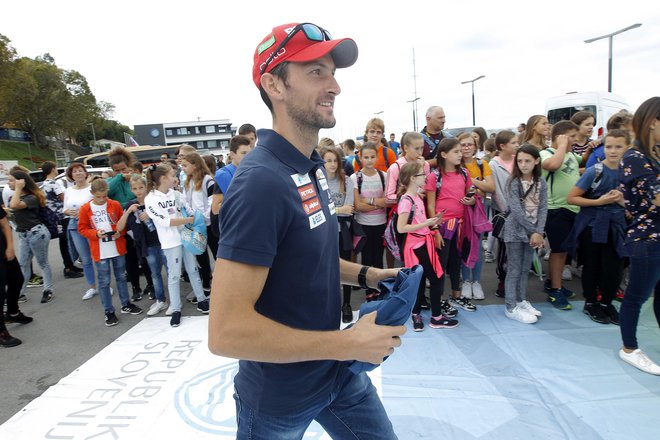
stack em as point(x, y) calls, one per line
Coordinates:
point(150, 291)
point(596, 313)
point(611, 313)
point(7, 340)
point(418, 322)
point(46, 297)
point(203, 306)
point(111, 319)
point(500, 289)
point(463, 303)
point(131, 308)
point(442, 322)
point(70, 273)
point(447, 309)
point(18, 318)
point(175, 320)
point(137, 294)
point(207, 292)
point(22, 298)
point(425, 304)
point(346, 313)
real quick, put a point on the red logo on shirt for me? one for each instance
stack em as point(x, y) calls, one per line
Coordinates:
point(312, 206)
point(306, 192)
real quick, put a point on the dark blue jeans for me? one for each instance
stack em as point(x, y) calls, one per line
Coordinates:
point(103, 268)
point(644, 278)
point(354, 411)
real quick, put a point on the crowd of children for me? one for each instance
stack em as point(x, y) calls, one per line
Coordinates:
point(590, 202)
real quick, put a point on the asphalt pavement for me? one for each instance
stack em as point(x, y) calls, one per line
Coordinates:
point(68, 331)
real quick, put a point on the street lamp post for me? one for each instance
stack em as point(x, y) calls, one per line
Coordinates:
point(91, 124)
point(472, 83)
point(414, 112)
point(610, 38)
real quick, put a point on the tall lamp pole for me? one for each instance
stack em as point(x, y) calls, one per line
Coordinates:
point(610, 37)
point(414, 112)
point(472, 83)
point(91, 124)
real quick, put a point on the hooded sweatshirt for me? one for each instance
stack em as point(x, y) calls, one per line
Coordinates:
point(161, 207)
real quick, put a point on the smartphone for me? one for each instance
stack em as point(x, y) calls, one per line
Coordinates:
point(107, 236)
point(470, 194)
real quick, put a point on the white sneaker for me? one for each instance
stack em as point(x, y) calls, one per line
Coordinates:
point(466, 290)
point(156, 308)
point(566, 274)
point(529, 308)
point(89, 294)
point(520, 315)
point(477, 291)
point(638, 359)
point(489, 257)
point(169, 311)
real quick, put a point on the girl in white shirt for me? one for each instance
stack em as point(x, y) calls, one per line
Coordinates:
point(163, 205)
point(198, 195)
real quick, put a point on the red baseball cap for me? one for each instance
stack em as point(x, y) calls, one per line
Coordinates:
point(300, 48)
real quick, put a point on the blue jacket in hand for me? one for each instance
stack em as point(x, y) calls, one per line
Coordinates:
point(399, 296)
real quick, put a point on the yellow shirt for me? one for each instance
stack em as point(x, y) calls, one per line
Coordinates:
point(474, 170)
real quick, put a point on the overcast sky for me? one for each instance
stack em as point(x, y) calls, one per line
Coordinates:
point(173, 60)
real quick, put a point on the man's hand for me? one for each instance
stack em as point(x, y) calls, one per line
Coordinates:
point(371, 342)
point(374, 275)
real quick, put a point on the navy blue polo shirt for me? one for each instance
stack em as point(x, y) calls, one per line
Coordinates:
point(277, 213)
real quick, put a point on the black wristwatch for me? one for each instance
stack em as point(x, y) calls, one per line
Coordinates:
point(362, 277)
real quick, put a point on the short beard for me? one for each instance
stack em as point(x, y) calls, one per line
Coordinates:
point(308, 120)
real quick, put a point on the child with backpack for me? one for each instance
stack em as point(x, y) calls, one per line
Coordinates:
point(448, 191)
point(370, 205)
point(420, 243)
point(163, 206)
point(599, 230)
point(523, 230)
point(341, 193)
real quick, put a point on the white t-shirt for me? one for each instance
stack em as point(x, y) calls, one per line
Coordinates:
point(107, 246)
point(372, 186)
point(74, 198)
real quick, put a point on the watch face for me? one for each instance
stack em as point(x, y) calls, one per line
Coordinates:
point(154, 132)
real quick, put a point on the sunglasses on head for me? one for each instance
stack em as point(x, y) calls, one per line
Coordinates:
point(311, 31)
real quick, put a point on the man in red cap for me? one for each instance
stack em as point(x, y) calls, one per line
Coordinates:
point(276, 302)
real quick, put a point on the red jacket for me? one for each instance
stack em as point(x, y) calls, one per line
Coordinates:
point(88, 230)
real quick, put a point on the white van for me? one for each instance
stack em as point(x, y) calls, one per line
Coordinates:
point(601, 104)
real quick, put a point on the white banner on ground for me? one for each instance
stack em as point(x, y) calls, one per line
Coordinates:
point(154, 382)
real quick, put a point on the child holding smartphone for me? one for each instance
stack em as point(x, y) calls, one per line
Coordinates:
point(97, 223)
point(449, 188)
point(421, 244)
point(523, 230)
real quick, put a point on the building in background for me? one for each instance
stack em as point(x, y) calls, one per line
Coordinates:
point(210, 135)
